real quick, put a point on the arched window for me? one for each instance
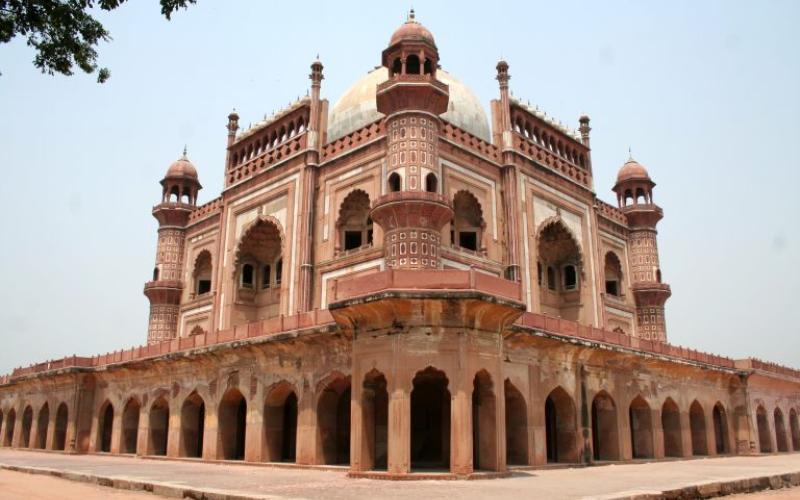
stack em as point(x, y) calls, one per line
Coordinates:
point(539, 273)
point(428, 67)
point(278, 272)
point(202, 273)
point(431, 183)
point(570, 277)
point(397, 67)
point(658, 275)
point(247, 280)
point(468, 222)
point(551, 278)
point(412, 65)
point(354, 223)
point(155, 274)
point(640, 197)
point(395, 182)
point(613, 275)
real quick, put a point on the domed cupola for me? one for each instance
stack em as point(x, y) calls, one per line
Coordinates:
point(633, 184)
point(181, 184)
point(411, 50)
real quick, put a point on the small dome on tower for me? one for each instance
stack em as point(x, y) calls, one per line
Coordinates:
point(632, 170)
point(182, 168)
point(413, 31)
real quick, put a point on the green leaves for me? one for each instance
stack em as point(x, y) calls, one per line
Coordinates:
point(63, 33)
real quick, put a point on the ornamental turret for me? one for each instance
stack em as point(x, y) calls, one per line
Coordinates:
point(178, 199)
point(634, 190)
point(412, 210)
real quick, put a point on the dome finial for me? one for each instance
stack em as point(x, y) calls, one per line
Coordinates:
point(184, 153)
point(630, 155)
point(411, 16)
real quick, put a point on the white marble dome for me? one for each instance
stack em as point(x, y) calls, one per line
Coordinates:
point(357, 108)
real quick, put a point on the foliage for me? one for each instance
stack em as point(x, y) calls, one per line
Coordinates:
point(63, 32)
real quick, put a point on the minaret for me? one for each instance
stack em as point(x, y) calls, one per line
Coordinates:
point(179, 197)
point(634, 190)
point(509, 177)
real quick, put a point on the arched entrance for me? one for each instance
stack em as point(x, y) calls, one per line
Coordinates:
point(11, 420)
point(232, 425)
point(559, 258)
point(780, 431)
point(484, 423)
point(193, 419)
point(795, 428)
point(516, 426)
point(605, 439)
point(697, 427)
point(720, 418)
point(105, 424)
point(159, 427)
point(60, 437)
point(641, 428)
point(560, 427)
point(27, 423)
point(671, 425)
point(375, 421)
point(42, 424)
point(130, 426)
point(430, 420)
point(333, 421)
point(280, 423)
point(259, 272)
point(764, 440)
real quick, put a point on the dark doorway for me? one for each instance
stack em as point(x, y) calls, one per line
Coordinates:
point(105, 426)
point(60, 438)
point(130, 426)
point(671, 424)
point(159, 427)
point(193, 417)
point(333, 421)
point(375, 421)
point(516, 426)
point(280, 423)
point(605, 438)
point(42, 424)
point(430, 420)
point(232, 425)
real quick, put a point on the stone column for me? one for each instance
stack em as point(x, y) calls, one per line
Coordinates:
point(624, 425)
point(461, 431)
point(306, 429)
point(359, 443)
point(399, 454)
point(211, 431)
point(658, 434)
point(142, 434)
point(536, 417)
point(686, 434)
point(254, 432)
point(116, 430)
point(174, 430)
point(711, 437)
point(50, 441)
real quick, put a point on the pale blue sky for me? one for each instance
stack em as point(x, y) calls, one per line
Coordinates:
point(705, 93)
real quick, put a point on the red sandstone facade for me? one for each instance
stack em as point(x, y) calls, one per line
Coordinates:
point(396, 286)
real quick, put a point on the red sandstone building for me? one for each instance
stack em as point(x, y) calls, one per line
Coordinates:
point(399, 284)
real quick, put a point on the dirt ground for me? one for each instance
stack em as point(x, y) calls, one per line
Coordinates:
point(22, 486)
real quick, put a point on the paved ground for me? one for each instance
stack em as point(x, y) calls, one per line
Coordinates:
point(22, 486)
point(592, 482)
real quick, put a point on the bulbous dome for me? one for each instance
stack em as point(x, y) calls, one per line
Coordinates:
point(357, 107)
point(412, 31)
point(182, 168)
point(632, 170)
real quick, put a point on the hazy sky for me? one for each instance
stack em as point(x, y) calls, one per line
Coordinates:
point(705, 94)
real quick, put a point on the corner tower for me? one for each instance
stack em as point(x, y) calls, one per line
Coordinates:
point(634, 190)
point(412, 212)
point(178, 199)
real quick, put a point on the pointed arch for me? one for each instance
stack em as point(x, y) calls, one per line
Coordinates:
point(430, 420)
point(131, 414)
point(159, 427)
point(764, 438)
point(42, 423)
point(605, 439)
point(259, 255)
point(559, 252)
point(697, 427)
point(11, 421)
point(794, 427)
point(105, 427)
point(613, 274)
point(193, 418)
point(720, 419)
point(27, 424)
point(561, 432)
point(780, 430)
point(484, 423)
point(232, 425)
point(62, 419)
point(354, 223)
point(202, 273)
point(671, 425)
point(516, 426)
point(280, 423)
point(468, 222)
point(333, 419)
point(641, 428)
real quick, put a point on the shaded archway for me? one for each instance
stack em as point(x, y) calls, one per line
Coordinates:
point(430, 420)
point(720, 418)
point(280, 423)
point(795, 429)
point(202, 273)
point(374, 421)
point(641, 428)
point(259, 271)
point(484, 422)
point(516, 426)
point(671, 425)
point(60, 436)
point(11, 421)
point(105, 426)
point(560, 427)
point(130, 426)
point(354, 225)
point(193, 419)
point(613, 274)
point(466, 231)
point(333, 421)
point(764, 440)
point(780, 431)
point(560, 255)
point(27, 424)
point(42, 423)
point(605, 439)
point(232, 425)
point(697, 427)
point(159, 427)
